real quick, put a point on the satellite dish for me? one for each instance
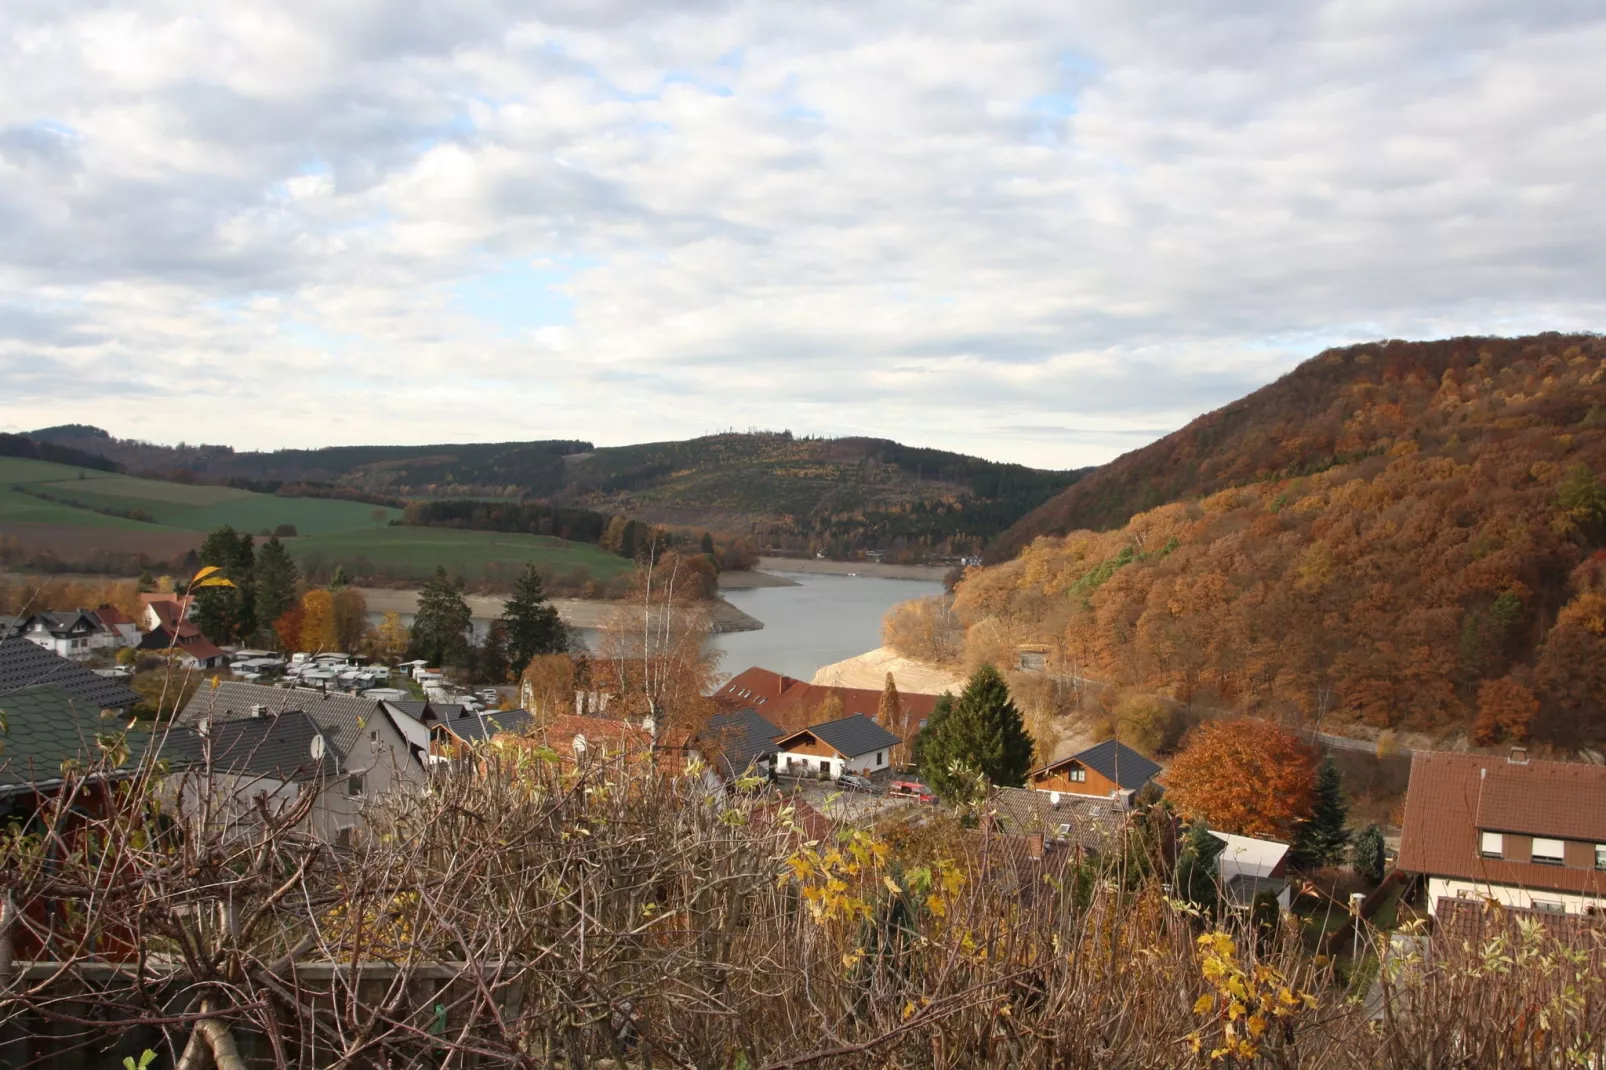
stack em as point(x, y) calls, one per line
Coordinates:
point(317, 748)
point(1053, 798)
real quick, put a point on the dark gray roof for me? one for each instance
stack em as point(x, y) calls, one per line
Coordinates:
point(481, 726)
point(419, 709)
point(47, 725)
point(741, 737)
point(25, 664)
point(342, 717)
point(852, 736)
point(1091, 822)
point(1135, 770)
point(279, 746)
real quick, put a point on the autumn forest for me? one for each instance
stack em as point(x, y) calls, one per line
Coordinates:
point(1400, 535)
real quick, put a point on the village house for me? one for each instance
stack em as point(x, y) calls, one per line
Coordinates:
point(849, 745)
point(121, 630)
point(793, 704)
point(157, 610)
point(1110, 770)
point(738, 742)
point(77, 635)
point(265, 762)
point(1528, 834)
point(1090, 826)
point(1248, 867)
point(374, 754)
point(184, 641)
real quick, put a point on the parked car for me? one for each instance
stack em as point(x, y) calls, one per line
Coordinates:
point(854, 782)
point(910, 789)
point(488, 694)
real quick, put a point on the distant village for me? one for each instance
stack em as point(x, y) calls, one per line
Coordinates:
point(1529, 834)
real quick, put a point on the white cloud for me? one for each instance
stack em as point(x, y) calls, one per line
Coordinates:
point(1041, 232)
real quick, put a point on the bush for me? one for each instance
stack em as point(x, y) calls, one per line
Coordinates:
point(924, 629)
point(286, 531)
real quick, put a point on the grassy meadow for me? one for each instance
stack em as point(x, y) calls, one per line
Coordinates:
point(408, 553)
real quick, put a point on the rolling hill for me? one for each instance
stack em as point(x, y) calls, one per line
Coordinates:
point(802, 493)
point(1405, 535)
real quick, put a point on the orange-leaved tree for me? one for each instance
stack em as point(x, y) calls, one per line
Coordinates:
point(1245, 776)
point(1505, 711)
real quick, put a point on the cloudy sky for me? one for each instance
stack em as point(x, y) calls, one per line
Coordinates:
point(1045, 232)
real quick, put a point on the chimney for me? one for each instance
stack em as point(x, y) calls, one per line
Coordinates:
point(259, 711)
point(1034, 846)
point(1518, 756)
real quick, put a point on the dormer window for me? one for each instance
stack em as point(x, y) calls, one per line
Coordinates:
point(1493, 846)
point(1549, 852)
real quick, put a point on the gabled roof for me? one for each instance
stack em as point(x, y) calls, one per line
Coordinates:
point(47, 725)
point(476, 727)
point(25, 664)
point(1109, 759)
point(610, 735)
point(849, 736)
point(277, 746)
point(1079, 819)
point(792, 704)
point(167, 612)
point(61, 624)
point(342, 717)
point(112, 617)
point(189, 641)
point(1451, 795)
point(1250, 857)
point(740, 737)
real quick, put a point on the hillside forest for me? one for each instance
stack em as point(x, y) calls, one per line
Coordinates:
point(1442, 570)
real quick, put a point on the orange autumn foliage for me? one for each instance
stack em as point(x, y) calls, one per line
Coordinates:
point(1371, 539)
point(1505, 712)
point(1249, 777)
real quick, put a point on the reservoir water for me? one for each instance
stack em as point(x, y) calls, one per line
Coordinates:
point(822, 620)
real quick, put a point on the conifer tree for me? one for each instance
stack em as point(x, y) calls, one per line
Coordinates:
point(532, 622)
point(225, 614)
point(1367, 854)
point(1198, 877)
point(982, 734)
point(1322, 839)
point(442, 624)
point(276, 578)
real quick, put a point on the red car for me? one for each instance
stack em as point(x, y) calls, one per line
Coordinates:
point(910, 789)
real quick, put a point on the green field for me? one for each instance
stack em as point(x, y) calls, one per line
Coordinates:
point(413, 553)
point(183, 506)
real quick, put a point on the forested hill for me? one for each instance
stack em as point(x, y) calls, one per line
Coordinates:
point(1410, 535)
point(1335, 407)
point(799, 493)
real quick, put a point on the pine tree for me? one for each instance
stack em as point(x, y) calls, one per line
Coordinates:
point(1198, 876)
point(146, 582)
point(276, 578)
point(708, 544)
point(982, 734)
point(1367, 854)
point(225, 614)
point(339, 581)
point(1322, 839)
point(533, 625)
point(493, 661)
point(442, 624)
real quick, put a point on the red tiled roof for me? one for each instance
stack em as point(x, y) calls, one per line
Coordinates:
point(1440, 836)
point(754, 687)
point(614, 735)
point(111, 616)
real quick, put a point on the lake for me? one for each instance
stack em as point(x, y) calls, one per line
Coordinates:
point(822, 620)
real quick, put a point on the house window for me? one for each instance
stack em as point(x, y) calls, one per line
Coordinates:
point(1064, 829)
point(1550, 906)
point(1076, 776)
point(1494, 845)
point(354, 786)
point(1549, 852)
point(343, 836)
point(1600, 856)
point(878, 757)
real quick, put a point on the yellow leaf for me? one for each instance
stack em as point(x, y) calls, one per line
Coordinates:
point(1204, 1004)
point(909, 1010)
point(892, 885)
point(204, 573)
point(215, 581)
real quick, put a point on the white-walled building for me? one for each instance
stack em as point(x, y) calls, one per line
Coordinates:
point(1247, 867)
point(851, 745)
point(1528, 834)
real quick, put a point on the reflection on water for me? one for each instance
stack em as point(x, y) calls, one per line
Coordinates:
point(822, 620)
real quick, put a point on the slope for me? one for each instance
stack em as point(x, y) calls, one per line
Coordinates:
point(1438, 568)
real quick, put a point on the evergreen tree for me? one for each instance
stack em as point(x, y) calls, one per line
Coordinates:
point(339, 581)
point(982, 734)
point(276, 578)
point(146, 582)
point(226, 614)
point(1322, 839)
point(493, 661)
point(532, 623)
point(1198, 877)
point(1367, 853)
point(442, 624)
point(708, 544)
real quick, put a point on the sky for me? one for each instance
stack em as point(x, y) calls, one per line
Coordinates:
point(1037, 232)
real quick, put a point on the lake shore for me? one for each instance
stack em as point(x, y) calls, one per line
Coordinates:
point(817, 566)
point(749, 581)
point(575, 612)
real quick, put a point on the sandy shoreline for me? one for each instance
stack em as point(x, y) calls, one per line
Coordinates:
point(576, 612)
point(814, 565)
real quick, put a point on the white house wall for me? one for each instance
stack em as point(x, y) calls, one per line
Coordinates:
point(1506, 895)
point(863, 764)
